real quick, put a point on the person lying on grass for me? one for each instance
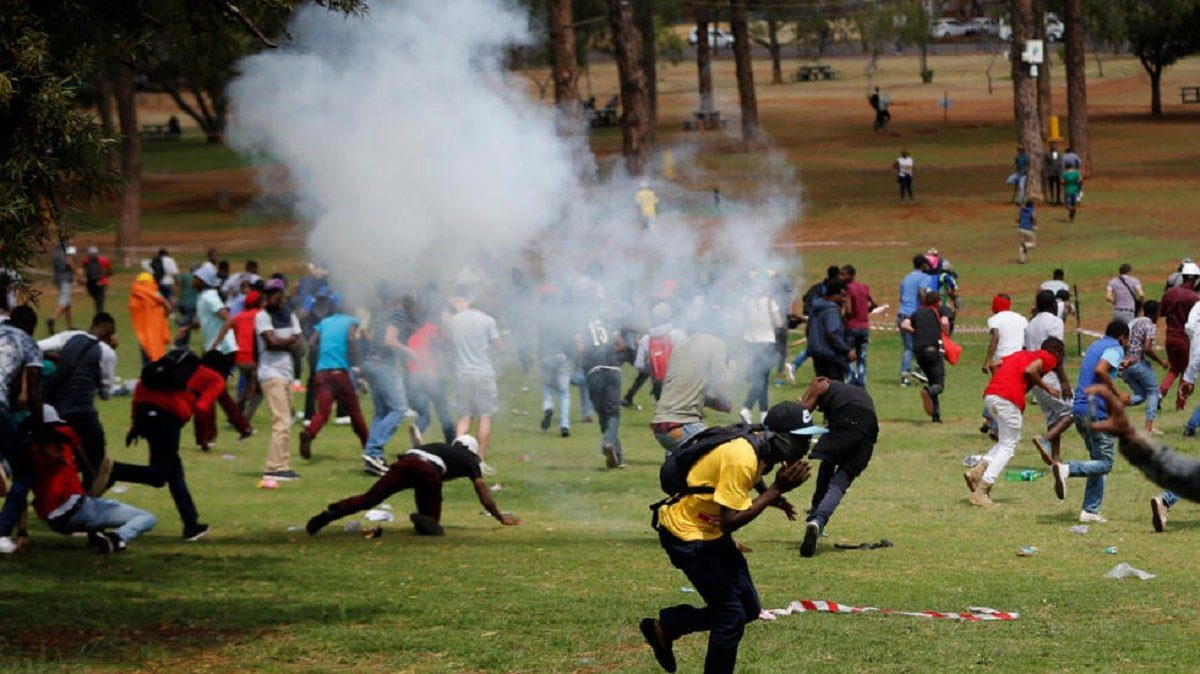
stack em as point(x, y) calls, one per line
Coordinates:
point(423, 469)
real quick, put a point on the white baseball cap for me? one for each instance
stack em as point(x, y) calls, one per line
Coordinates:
point(50, 415)
point(469, 442)
point(1190, 269)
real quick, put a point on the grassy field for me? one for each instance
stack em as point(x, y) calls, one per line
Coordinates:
point(563, 592)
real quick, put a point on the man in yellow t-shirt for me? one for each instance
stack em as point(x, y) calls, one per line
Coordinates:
point(696, 531)
point(647, 202)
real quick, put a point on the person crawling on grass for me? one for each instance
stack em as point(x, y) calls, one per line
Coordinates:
point(423, 469)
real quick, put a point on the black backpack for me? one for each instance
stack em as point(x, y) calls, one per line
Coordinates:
point(171, 372)
point(672, 476)
point(93, 270)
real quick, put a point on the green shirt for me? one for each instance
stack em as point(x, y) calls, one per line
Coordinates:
point(1072, 182)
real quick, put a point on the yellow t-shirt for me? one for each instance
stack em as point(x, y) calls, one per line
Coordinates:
point(732, 469)
point(647, 201)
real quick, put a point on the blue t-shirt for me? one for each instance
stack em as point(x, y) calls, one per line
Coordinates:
point(334, 348)
point(1026, 218)
point(1107, 349)
point(1022, 163)
point(910, 290)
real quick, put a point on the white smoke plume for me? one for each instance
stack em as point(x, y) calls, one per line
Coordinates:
point(412, 153)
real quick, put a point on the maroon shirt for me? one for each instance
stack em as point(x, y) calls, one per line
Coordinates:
point(1174, 308)
point(860, 306)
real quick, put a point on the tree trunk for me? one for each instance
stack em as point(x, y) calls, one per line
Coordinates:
point(776, 51)
point(1025, 109)
point(924, 58)
point(565, 72)
point(704, 60)
point(104, 106)
point(649, 61)
point(1077, 113)
point(129, 220)
point(1045, 100)
point(751, 134)
point(635, 113)
point(1155, 91)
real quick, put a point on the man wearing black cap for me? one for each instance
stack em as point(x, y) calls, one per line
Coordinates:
point(844, 452)
point(696, 531)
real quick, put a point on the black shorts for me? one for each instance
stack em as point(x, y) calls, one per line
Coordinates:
point(849, 448)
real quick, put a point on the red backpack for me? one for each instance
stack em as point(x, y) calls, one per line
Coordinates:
point(659, 352)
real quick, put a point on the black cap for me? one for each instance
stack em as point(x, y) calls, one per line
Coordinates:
point(791, 417)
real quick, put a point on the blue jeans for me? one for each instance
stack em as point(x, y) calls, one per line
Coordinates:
point(585, 397)
point(604, 385)
point(97, 514)
point(429, 396)
point(1100, 448)
point(1193, 421)
point(556, 383)
point(906, 358)
point(1140, 377)
point(388, 396)
point(12, 449)
point(674, 438)
point(800, 358)
point(859, 339)
point(1169, 498)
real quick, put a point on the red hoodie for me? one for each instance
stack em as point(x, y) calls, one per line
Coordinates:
point(56, 485)
point(203, 389)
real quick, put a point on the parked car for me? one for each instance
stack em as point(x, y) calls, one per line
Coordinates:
point(947, 27)
point(1054, 29)
point(983, 25)
point(717, 39)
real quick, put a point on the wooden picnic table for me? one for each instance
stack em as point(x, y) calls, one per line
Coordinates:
point(604, 117)
point(1189, 94)
point(157, 132)
point(815, 72)
point(707, 120)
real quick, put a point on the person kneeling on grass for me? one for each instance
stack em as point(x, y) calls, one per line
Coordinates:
point(423, 469)
point(59, 499)
point(709, 479)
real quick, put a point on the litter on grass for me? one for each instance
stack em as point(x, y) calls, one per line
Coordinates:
point(686, 590)
point(1124, 570)
point(229, 457)
point(970, 461)
point(1111, 550)
point(385, 506)
point(495, 488)
point(378, 515)
point(119, 489)
point(1079, 529)
point(1027, 551)
point(353, 526)
point(972, 614)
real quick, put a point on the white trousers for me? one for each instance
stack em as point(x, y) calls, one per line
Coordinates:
point(1008, 425)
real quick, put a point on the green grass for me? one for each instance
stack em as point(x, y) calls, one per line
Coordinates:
point(563, 592)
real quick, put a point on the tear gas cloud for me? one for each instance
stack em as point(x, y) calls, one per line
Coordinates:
point(416, 158)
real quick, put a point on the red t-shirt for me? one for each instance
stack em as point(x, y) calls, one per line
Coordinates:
point(203, 389)
point(56, 478)
point(423, 342)
point(860, 306)
point(243, 330)
point(1009, 381)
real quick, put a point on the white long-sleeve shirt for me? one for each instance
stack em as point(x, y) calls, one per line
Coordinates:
point(108, 358)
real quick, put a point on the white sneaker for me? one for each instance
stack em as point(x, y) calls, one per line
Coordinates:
point(745, 415)
point(341, 421)
point(7, 547)
point(762, 417)
point(920, 376)
point(410, 413)
point(789, 372)
point(1061, 473)
point(1091, 518)
point(486, 469)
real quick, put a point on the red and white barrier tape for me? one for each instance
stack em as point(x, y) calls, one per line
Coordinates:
point(972, 615)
